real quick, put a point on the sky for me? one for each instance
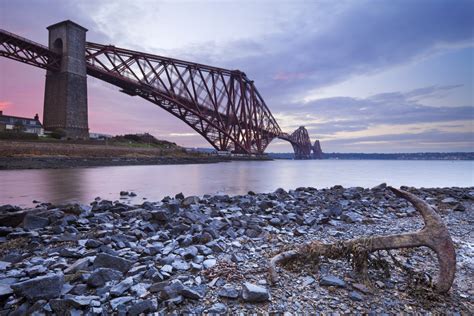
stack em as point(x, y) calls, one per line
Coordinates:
point(362, 76)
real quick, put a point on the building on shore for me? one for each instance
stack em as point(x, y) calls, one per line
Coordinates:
point(21, 124)
point(99, 136)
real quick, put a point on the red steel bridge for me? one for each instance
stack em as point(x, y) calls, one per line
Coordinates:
point(221, 105)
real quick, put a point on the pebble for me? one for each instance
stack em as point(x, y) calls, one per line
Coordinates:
point(330, 280)
point(254, 293)
point(113, 257)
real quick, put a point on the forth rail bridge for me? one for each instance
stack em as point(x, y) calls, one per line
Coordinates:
point(223, 106)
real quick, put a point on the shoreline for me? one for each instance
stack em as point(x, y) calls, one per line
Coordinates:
point(21, 163)
point(210, 254)
point(15, 155)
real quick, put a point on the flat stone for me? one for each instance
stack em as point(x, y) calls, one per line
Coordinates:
point(180, 265)
point(79, 264)
point(166, 268)
point(361, 287)
point(102, 275)
point(254, 293)
point(5, 291)
point(92, 243)
point(356, 296)
point(70, 253)
point(308, 281)
point(190, 200)
point(35, 222)
point(190, 293)
point(64, 306)
point(121, 287)
point(104, 260)
point(171, 290)
point(330, 280)
point(160, 216)
point(43, 287)
point(352, 217)
point(12, 219)
point(228, 292)
point(449, 200)
point(459, 208)
point(4, 265)
point(145, 306)
point(217, 308)
point(189, 253)
point(116, 302)
point(209, 263)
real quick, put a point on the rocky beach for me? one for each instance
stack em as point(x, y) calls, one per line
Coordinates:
point(210, 254)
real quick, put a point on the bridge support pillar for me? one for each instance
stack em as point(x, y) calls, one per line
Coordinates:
point(65, 97)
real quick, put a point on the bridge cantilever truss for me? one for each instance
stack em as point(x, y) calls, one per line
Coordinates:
point(223, 106)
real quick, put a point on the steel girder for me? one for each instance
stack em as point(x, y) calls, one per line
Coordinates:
point(300, 141)
point(21, 49)
point(223, 106)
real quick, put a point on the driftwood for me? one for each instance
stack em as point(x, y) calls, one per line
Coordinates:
point(434, 235)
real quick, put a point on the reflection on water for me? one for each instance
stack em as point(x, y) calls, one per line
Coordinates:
point(154, 182)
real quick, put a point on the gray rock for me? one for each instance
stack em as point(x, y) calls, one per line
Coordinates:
point(92, 243)
point(381, 186)
point(104, 260)
point(12, 219)
point(116, 302)
point(4, 265)
point(190, 200)
point(79, 264)
point(171, 290)
point(102, 275)
point(449, 200)
point(121, 287)
point(70, 253)
point(209, 263)
point(189, 253)
point(361, 287)
point(180, 265)
point(43, 287)
point(146, 306)
point(217, 308)
point(160, 216)
point(5, 291)
point(330, 280)
point(308, 281)
point(64, 306)
point(190, 293)
point(35, 270)
point(228, 292)
point(356, 296)
point(254, 293)
point(459, 208)
point(352, 217)
point(34, 222)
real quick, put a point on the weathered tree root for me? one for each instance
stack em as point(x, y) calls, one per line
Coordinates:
point(434, 235)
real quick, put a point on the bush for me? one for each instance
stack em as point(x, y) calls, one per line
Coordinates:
point(58, 133)
point(17, 135)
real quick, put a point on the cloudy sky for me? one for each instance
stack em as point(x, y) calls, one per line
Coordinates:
point(362, 76)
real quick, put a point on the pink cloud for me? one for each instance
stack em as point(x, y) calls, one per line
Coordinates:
point(4, 105)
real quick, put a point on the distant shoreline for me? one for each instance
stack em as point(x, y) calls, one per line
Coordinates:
point(391, 156)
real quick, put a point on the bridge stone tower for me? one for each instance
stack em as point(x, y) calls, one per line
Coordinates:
point(65, 97)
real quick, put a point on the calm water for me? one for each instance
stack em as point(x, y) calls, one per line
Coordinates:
point(154, 182)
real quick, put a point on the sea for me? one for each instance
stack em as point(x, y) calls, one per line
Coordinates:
point(152, 183)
